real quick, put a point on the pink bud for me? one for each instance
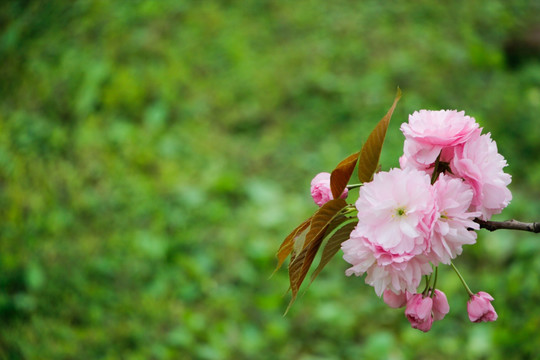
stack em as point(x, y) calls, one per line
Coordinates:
point(320, 189)
point(480, 309)
point(440, 305)
point(418, 312)
point(395, 300)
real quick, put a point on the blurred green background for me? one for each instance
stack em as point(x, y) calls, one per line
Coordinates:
point(154, 154)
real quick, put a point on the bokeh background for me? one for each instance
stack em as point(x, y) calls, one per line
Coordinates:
point(154, 154)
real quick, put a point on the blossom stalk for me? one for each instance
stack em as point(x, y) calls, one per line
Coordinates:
point(462, 279)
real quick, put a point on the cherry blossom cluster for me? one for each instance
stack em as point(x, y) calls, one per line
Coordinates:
point(413, 218)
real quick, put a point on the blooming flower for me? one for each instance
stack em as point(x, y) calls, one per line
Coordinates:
point(360, 253)
point(480, 309)
point(429, 132)
point(396, 300)
point(396, 213)
point(321, 191)
point(418, 312)
point(453, 198)
point(440, 305)
point(481, 166)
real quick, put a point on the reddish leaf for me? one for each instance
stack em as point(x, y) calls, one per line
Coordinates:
point(322, 218)
point(338, 220)
point(288, 244)
point(299, 266)
point(371, 151)
point(333, 245)
point(297, 271)
point(341, 174)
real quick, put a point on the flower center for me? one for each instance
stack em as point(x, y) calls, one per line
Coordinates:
point(400, 211)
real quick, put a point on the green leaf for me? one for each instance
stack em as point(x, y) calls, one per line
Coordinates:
point(339, 234)
point(371, 151)
point(341, 174)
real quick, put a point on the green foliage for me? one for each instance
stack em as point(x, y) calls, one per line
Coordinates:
point(154, 153)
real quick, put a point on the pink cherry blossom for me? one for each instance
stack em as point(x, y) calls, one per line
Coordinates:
point(440, 305)
point(480, 309)
point(428, 132)
point(396, 213)
point(396, 300)
point(453, 198)
point(481, 166)
point(418, 312)
point(321, 191)
point(398, 276)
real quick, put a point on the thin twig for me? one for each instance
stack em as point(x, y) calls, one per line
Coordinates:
point(509, 225)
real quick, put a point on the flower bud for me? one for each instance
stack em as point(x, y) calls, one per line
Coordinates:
point(440, 305)
point(321, 191)
point(418, 312)
point(480, 309)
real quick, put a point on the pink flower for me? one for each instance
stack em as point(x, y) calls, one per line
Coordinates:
point(429, 132)
point(422, 310)
point(359, 252)
point(396, 300)
point(480, 309)
point(418, 312)
point(396, 213)
point(481, 166)
point(320, 189)
point(453, 198)
point(440, 305)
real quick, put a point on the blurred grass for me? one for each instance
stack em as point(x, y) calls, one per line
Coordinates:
point(154, 154)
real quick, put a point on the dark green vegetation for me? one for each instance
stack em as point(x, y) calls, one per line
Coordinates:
point(153, 155)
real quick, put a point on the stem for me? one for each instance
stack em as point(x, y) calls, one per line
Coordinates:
point(428, 280)
point(435, 282)
point(347, 210)
point(354, 186)
point(462, 279)
point(509, 225)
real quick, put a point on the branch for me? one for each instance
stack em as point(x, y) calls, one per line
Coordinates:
point(509, 225)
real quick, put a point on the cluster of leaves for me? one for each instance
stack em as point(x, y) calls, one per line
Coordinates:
point(332, 223)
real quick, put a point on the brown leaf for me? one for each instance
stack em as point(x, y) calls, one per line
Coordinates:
point(299, 266)
point(334, 244)
point(322, 218)
point(371, 151)
point(288, 244)
point(338, 220)
point(294, 274)
point(297, 272)
point(299, 242)
point(341, 174)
